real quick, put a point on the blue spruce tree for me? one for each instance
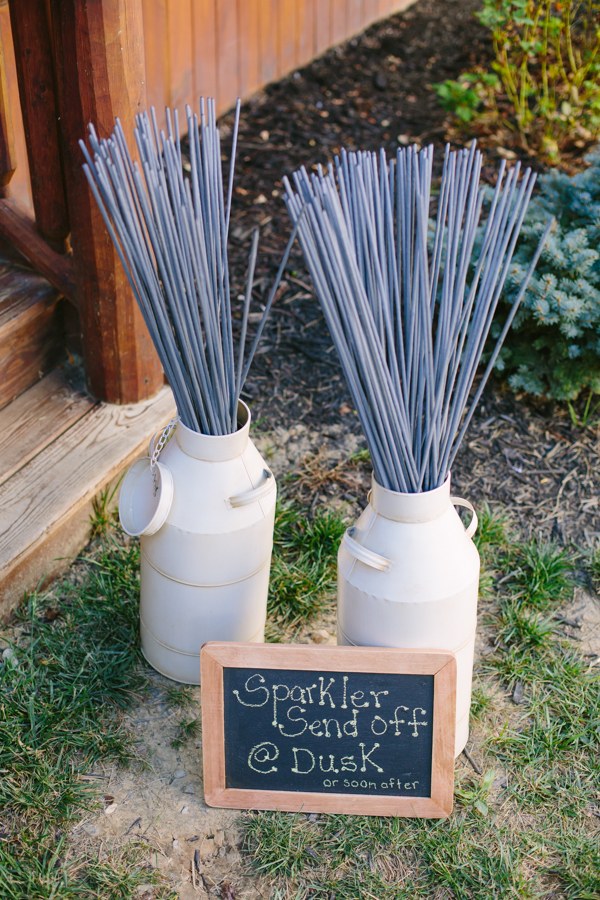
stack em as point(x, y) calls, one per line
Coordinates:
point(553, 349)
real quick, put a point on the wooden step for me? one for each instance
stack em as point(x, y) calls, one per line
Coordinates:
point(58, 449)
point(31, 331)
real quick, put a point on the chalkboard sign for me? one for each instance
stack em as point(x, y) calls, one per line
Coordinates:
point(328, 729)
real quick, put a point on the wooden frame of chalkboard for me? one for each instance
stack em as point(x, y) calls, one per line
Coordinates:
point(267, 709)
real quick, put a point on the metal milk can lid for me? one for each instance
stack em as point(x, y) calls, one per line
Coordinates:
point(146, 497)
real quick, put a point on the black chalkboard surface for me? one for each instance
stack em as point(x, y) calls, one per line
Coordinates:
point(360, 733)
point(328, 729)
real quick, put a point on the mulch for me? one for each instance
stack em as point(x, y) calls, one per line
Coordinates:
point(372, 91)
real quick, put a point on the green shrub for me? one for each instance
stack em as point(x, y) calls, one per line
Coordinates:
point(543, 81)
point(553, 348)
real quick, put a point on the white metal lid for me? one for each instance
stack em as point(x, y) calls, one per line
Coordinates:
point(146, 497)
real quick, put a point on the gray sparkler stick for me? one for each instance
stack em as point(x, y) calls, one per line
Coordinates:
point(407, 318)
point(170, 232)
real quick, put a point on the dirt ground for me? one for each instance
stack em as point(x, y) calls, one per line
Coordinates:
point(372, 91)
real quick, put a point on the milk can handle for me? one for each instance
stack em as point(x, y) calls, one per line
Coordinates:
point(363, 554)
point(255, 494)
point(458, 501)
point(159, 440)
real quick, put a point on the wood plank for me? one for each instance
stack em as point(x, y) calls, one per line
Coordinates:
point(156, 57)
point(338, 28)
point(36, 419)
point(48, 496)
point(104, 40)
point(31, 335)
point(19, 186)
point(19, 285)
point(397, 6)
point(8, 160)
point(204, 41)
point(20, 232)
point(269, 41)
point(305, 30)
point(356, 15)
point(288, 37)
point(322, 26)
point(228, 82)
point(180, 49)
point(390, 7)
point(249, 46)
point(33, 55)
point(370, 12)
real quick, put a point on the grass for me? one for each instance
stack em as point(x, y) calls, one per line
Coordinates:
point(64, 685)
point(104, 510)
point(594, 568)
point(303, 569)
point(41, 867)
point(66, 681)
point(523, 827)
point(352, 857)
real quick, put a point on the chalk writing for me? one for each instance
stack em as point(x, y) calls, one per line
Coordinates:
point(295, 730)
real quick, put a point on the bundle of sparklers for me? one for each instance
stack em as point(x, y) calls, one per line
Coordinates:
point(171, 234)
point(410, 306)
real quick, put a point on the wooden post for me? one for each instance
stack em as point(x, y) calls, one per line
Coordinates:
point(100, 73)
point(35, 73)
point(7, 146)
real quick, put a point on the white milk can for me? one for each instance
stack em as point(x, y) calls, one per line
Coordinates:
point(408, 576)
point(205, 515)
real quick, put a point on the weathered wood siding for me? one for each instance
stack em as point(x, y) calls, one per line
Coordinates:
point(216, 48)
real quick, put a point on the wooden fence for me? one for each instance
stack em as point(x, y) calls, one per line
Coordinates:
point(230, 48)
point(215, 48)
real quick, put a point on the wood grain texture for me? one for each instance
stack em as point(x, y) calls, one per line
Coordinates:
point(348, 804)
point(31, 349)
point(19, 186)
point(388, 660)
point(268, 40)
point(156, 54)
point(215, 656)
point(19, 230)
point(288, 36)
point(8, 160)
point(255, 58)
point(180, 53)
point(35, 72)
point(31, 336)
point(338, 29)
point(305, 30)
point(249, 46)
point(204, 36)
point(211, 680)
point(104, 40)
point(355, 16)
point(322, 26)
point(370, 12)
point(444, 719)
point(50, 490)
point(228, 82)
point(36, 419)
